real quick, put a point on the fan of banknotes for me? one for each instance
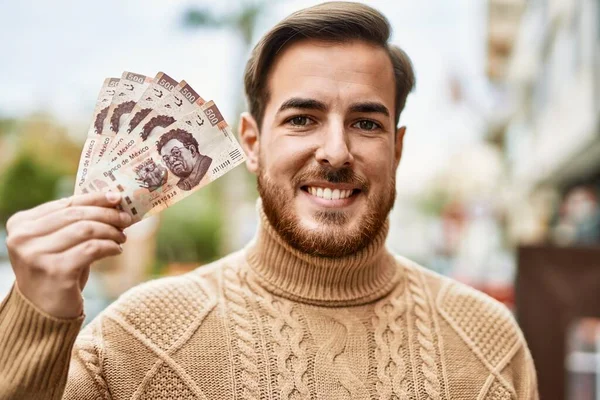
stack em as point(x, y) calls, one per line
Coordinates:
point(155, 141)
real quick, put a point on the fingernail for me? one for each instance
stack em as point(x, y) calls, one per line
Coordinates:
point(113, 196)
point(121, 248)
point(125, 217)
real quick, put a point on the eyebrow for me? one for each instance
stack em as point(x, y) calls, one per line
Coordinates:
point(370, 107)
point(303, 103)
point(312, 104)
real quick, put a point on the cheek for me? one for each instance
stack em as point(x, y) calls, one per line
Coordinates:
point(376, 160)
point(285, 156)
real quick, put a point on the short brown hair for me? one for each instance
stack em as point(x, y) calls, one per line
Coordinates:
point(336, 21)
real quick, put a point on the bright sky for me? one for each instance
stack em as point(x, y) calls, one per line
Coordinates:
point(56, 55)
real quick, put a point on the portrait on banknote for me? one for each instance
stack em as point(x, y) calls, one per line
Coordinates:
point(151, 175)
point(179, 150)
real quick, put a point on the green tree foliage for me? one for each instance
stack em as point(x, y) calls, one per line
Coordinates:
point(37, 155)
point(191, 231)
point(242, 20)
point(25, 184)
point(237, 186)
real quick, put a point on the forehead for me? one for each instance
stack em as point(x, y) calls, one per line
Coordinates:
point(336, 73)
point(170, 144)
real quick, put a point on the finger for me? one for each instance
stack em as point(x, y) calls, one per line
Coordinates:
point(85, 253)
point(33, 213)
point(98, 199)
point(76, 233)
point(108, 199)
point(62, 218)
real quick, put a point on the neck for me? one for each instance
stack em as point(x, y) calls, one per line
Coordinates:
point(354, 279)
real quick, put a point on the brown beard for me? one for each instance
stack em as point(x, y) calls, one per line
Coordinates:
point(334, 239)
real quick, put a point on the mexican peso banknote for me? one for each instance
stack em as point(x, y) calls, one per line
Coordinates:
point(97, 126)
point(194, 151)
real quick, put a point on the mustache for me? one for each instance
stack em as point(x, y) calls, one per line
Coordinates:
point(341, 175)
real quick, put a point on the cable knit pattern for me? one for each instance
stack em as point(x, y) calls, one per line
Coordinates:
point(498, 392)
point(246, 364)
point(271, 323)
point(494, 336)
point(332, 358)
point(166, 385)
point(425, 339)
point(324, 360)
point(389, 337)
point(89, 352)
point(288, 334)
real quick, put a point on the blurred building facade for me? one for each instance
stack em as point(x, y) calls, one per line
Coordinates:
point(546, 64)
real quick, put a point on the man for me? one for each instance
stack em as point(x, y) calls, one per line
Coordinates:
point(315, 306)
point(179, 150)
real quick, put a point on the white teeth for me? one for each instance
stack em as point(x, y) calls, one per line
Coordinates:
point(329, 194)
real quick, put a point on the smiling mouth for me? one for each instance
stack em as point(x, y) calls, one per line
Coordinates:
point(329, 193)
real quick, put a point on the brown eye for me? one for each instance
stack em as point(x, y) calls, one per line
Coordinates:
point(366, 125)
point(299, 121)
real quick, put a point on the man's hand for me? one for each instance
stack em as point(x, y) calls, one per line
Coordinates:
point(52, 246)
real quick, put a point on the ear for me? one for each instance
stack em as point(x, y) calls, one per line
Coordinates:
point(192, 150)
point(398, 144)
point(249, 138)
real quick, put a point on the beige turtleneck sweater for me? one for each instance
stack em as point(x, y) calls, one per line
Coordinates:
point(269, 322)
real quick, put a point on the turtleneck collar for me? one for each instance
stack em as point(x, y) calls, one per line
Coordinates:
point(356, 279)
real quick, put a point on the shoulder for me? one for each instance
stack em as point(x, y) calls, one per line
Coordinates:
point(485, 325)
point(164, 310)
point(193, 290)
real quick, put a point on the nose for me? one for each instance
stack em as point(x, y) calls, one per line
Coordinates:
point(334, 150)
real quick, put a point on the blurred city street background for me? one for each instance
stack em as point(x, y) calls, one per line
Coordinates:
point(501, 169)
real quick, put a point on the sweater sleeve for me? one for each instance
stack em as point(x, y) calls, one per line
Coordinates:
point(519, 373)
point(524, 376)
point(37, 360)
